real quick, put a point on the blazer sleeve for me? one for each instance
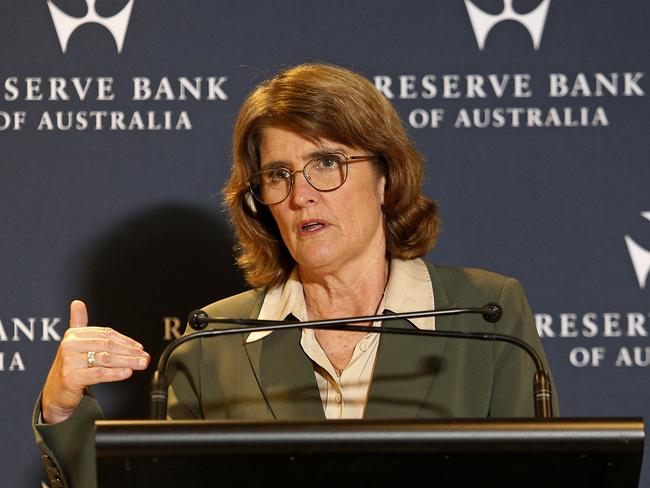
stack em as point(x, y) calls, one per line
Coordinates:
point(68, 447)
point(213, 378)
point(513, 371)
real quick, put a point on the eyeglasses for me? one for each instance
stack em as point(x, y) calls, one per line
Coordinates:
point(326, 172)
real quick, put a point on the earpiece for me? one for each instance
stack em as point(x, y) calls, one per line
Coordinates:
point(250, 201)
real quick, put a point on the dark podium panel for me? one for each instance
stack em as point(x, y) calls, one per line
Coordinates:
point(506, 453)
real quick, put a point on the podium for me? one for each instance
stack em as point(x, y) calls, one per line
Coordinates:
point(438, 453)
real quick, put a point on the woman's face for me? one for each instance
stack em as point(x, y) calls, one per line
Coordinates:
point(326, 232)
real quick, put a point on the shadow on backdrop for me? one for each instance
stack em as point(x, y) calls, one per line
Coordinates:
point(164, 262)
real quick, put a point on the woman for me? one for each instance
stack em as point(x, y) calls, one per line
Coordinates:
point(325, 196)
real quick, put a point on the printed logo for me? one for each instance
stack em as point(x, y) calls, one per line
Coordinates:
point(640, 257)
point(483, 22)
point(65, 24)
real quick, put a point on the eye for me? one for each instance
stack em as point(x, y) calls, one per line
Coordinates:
point(276, 175)
point(328, 162)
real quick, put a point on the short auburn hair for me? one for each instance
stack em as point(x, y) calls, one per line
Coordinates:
point(324, 101)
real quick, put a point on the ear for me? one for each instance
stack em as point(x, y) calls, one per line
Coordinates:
point(381, 188)
point(250, 201)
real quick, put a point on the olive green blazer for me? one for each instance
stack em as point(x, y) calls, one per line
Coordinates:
point(414, 377)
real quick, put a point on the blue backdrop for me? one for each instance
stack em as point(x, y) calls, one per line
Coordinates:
point(115, 121)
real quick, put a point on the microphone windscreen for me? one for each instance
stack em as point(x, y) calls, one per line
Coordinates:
point(492, 312)
point(198, 319)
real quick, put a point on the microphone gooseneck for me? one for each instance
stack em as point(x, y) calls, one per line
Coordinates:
point(491, 312)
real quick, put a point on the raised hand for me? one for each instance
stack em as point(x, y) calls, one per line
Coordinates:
point(86, 356)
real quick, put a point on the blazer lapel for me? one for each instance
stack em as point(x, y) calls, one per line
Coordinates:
point(406, 367)
point(286, 376)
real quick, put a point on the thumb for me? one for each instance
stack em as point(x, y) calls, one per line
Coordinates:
point(78, 314)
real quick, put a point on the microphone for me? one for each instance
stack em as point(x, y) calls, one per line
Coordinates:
point(198, 319)
point(491, 312)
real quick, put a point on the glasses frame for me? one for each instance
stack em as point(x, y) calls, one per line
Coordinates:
point(347, 160)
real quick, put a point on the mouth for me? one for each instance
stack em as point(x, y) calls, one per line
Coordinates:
point(310, 226)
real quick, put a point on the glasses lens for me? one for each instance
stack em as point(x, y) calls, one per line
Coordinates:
point(327, 172)
point(271, 185)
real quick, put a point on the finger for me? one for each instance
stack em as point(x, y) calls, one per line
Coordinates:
point(78, 314)
point(106, 334)
point(93, 376)
point(102, 345)
point(112, 360)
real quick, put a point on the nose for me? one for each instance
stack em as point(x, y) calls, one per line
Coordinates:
point(302, 193)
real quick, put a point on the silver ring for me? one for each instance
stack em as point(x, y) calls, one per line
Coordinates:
point(90, 358)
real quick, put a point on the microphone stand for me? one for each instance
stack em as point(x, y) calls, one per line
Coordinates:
point(492, 312)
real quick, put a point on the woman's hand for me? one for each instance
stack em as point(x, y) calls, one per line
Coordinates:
point(115, 355)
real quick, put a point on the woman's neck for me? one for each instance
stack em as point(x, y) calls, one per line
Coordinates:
point(355, 290)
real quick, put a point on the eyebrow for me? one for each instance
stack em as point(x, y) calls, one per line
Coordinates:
point(273, 164)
